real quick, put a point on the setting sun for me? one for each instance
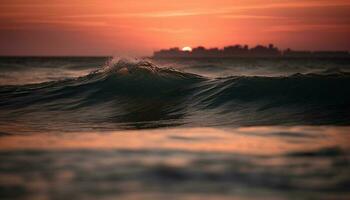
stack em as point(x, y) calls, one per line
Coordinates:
point(187, 49)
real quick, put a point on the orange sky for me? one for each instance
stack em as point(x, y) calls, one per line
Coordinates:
point(136, 27)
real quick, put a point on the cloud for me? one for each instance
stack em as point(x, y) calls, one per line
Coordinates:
point(170, 13)
point(79, 23)
point(310, 27)
point(238, 16)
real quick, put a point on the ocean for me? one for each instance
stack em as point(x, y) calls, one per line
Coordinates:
point(181, 128)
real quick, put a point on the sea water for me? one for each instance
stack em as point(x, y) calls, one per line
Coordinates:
point(239, 128)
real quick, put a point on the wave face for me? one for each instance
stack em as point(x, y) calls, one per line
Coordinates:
point(139, 94)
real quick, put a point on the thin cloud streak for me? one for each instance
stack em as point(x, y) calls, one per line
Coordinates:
point(310, 27)
point(80, 23)
point(233, 16)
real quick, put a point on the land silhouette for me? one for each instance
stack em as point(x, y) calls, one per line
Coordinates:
point(245, 51)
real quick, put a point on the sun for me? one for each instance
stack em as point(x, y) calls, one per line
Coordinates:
point(187, 49)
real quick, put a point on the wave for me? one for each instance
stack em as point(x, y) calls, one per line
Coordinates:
point(139, 93)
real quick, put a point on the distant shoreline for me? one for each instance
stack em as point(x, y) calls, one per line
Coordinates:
point(243, 51)
point(245, 57)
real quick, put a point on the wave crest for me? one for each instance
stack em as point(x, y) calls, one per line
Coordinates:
point(137, 68)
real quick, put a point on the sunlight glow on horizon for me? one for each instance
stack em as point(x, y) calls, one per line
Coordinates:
point(187, 49)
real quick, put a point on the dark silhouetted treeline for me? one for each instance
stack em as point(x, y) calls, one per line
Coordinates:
point(245, 51)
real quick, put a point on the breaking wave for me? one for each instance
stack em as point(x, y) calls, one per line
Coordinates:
point(139, 94)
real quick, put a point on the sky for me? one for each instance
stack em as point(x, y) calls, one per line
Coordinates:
point(138, 27)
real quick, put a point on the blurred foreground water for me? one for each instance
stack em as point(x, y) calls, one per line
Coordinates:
point(295, 162)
